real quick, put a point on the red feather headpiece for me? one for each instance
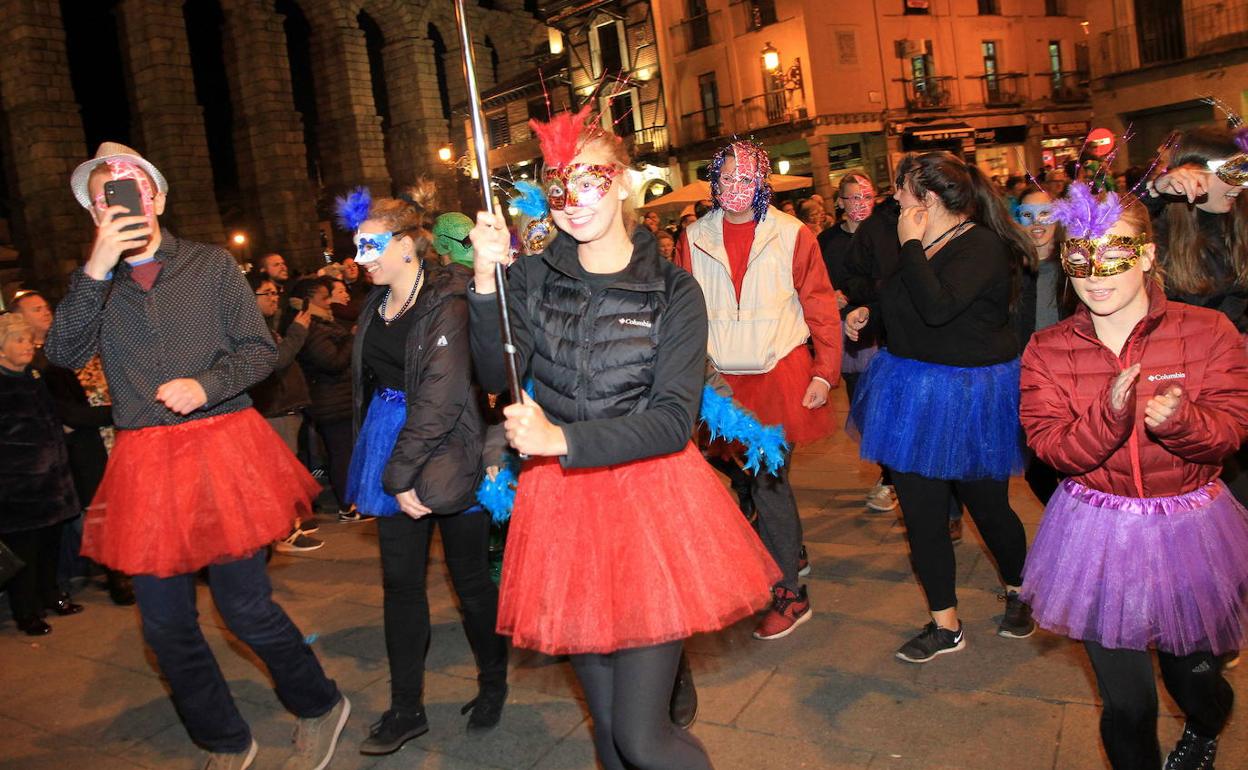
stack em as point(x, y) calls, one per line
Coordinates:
point(560, 139)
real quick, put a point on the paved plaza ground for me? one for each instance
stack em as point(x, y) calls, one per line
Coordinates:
point(829, 696)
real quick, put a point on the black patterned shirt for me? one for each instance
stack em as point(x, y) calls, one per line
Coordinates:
point(198, 320)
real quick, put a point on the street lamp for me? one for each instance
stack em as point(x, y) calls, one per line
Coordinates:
point(783, 166)
point(444, 154)
point(771, 59)
point(239, 239)
point(790, 79)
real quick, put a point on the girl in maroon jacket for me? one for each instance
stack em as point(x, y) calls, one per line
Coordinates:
point(1138, 400)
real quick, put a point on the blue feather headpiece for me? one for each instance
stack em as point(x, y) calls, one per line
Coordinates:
point(1083, 215)
point(353, 208)
point(530, 200)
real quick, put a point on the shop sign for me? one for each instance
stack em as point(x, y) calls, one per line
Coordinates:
point(1076, 128)
point(937, 137)
point(843, 155)
point(1001, 135)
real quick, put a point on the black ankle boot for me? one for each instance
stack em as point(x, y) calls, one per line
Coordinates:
point(388, 734)
point(63, 606)
point(1192, 752)
point(486, 708)
point(683, 708)
point(33, 626)
point(120, 588)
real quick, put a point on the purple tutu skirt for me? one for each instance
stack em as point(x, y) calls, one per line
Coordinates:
point(1133, 573)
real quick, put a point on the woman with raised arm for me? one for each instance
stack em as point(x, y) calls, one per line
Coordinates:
point(621, 534)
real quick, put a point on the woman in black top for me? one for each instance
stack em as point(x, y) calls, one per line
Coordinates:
point(939, 407)
point(417, 462)
point(621, 534)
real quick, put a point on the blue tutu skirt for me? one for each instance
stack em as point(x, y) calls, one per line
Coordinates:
point(386, 414)
point(943, 422)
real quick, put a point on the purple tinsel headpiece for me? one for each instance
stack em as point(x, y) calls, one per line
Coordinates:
point(1241, 139)
point(1083, 215)
point(762, 194)
point(353, 208)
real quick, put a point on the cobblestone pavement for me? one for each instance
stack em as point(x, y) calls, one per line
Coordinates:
point(829, 696)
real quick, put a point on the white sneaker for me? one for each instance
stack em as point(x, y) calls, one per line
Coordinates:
point(882, 498)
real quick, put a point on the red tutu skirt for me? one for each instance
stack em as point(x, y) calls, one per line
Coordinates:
point(633, 555)
point(775, 398)
point(180, 497)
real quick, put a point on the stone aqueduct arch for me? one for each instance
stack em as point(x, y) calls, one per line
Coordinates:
point(44, 138)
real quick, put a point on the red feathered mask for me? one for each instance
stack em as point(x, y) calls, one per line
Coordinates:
point(560, 139)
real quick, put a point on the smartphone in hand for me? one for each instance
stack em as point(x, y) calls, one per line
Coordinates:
point(125, 192)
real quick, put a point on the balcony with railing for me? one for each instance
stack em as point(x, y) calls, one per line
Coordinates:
point(1003, 89)
point(929, 93)
point(705, 124)
point(766, 109)
point(1068, 87)
point(696, 32)
point(1162, 39)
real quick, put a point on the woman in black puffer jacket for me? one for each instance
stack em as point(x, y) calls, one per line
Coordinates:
point(417, 463)
point(36, 488)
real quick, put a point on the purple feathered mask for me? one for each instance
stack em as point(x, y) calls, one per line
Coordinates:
point(353, 208)
point(1083, 215)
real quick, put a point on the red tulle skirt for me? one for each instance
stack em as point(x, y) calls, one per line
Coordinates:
point(775, 398)
point(633, 555)
point(179, 497)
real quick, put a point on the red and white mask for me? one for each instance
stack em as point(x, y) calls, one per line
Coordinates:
point(737, 189)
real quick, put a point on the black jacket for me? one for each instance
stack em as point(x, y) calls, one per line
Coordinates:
point(620, 369)
point(286, 389)
point(36, 489)
point(326, 362)
point(438, 452)
point(87, 455)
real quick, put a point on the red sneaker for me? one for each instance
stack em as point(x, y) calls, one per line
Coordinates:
point(788, 611)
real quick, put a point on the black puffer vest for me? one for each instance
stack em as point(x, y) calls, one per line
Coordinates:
point(594, 353)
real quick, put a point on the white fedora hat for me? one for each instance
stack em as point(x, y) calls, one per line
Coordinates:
point(111, 151)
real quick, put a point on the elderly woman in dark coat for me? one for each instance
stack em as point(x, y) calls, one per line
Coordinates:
point(36, 489)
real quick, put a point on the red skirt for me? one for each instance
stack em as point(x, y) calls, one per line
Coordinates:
point(633, 555)
point(180, 497)
point(775, 398)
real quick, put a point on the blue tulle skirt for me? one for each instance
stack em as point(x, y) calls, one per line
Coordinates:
point(386, 414)
point(943, 422)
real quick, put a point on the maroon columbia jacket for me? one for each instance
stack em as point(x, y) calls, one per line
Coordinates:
point(1067, 374)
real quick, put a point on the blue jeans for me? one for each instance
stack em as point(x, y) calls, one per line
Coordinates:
point(243, 595)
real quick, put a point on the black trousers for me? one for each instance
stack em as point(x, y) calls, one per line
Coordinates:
point(1129, 700)
point(34, 588)
point(925, 506)
point(336, 435)
point(629, 693)
point(404, 561)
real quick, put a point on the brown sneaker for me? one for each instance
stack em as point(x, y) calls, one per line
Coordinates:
point(788, 611)
point(235, 761)
point(316, 738)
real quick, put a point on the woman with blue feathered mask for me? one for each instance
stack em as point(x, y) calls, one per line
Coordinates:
point(417, 458)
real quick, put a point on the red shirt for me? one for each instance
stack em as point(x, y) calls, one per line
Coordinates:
point(738, 240)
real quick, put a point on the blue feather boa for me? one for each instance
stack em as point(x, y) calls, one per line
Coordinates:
point(764, 444)
point(764, 448)
point(498, 495)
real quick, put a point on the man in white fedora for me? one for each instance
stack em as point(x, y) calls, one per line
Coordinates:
point(197, 478)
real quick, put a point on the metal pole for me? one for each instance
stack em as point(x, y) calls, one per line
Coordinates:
point(481, 149)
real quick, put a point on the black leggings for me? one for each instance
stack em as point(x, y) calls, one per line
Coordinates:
point(404, 561)
point(1129, 700)
point(925, 506)
point(629, 693)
